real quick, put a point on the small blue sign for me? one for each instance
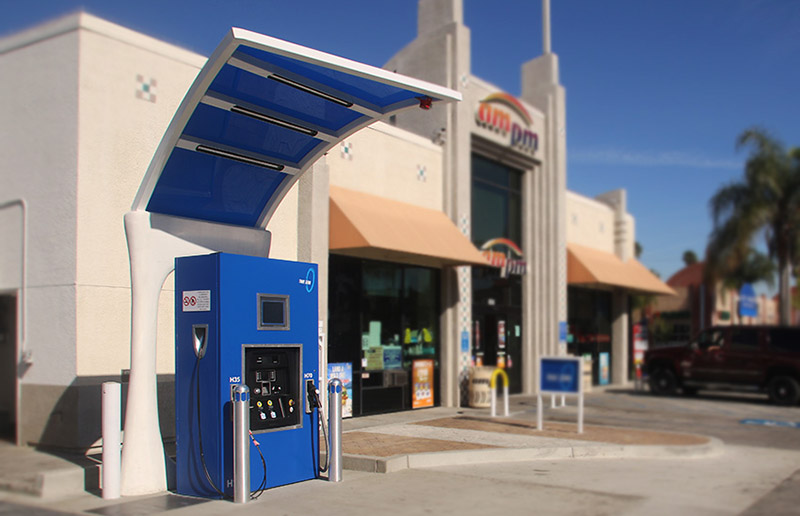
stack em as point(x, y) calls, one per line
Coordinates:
point(392, 357)
point(560, 375)
point(768, 422)
point(465, 342)
point(748, 303)
point(562, 331)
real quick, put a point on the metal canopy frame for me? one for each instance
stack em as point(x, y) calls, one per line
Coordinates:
point(259, 114)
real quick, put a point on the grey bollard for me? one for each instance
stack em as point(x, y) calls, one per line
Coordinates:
point(335, 428)
point(241, 444)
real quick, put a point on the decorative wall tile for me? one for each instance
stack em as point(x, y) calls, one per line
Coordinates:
point(347, 150)
point(146, 88)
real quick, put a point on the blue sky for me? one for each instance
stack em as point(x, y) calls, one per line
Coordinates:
point(657, 92)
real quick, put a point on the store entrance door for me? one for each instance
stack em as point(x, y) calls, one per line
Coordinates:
point(499, 335)
point(8, 367)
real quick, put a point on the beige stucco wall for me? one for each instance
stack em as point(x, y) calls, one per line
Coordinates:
point(38, 145)
point(386, 161)
point(117, 136)
point(590, 223)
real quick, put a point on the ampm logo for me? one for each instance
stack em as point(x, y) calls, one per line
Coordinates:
point(505, 254)
point(492, 115)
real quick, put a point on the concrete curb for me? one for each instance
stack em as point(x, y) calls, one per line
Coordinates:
point(368, 464)
point(53, 484)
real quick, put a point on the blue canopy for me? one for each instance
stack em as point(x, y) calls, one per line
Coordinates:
point(259, 114)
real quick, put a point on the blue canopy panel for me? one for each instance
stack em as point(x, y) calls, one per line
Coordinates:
point(259, 114)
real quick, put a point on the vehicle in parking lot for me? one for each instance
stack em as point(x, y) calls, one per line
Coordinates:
point(765, 358)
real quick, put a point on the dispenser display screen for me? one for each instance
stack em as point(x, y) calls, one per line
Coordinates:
point(273, 312)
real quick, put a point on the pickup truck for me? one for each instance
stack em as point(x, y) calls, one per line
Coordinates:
point(763, 358)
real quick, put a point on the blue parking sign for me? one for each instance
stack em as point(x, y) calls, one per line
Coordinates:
point(560, 375)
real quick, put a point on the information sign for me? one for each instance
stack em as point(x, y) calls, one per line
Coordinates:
point(422, 376)
point(344, 372)
point(560, 375)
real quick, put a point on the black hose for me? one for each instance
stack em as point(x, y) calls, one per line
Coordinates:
point(200, 431)
point(263, 486)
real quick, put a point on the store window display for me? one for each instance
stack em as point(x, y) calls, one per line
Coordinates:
point(384, 319)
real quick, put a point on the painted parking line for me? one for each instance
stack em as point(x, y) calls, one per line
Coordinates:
point(770, 422)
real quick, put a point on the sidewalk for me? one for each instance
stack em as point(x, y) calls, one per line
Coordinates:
point(448, 436)
point(383, 443)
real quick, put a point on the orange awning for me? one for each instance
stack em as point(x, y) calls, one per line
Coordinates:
point(587, 266)
point(374, 227)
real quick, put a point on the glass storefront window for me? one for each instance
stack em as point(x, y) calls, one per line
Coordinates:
point(497, 297)
point(589, 328)
point(496, 201)
point(382, 318)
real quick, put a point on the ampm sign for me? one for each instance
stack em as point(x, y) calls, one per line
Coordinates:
point(560, 375)
point(505, 115)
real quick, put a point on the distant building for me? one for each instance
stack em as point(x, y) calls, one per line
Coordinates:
point(695, 307)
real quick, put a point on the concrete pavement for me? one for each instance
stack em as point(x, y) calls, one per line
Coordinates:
point(741, 480)
point(388, 443)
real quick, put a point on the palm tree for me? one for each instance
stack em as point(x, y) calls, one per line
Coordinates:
point(753, 268)
point(766, 202)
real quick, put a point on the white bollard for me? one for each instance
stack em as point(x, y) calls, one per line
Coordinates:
point(539, 410)
point(111, 406)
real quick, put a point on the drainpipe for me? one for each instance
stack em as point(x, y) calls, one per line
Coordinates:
point(23, 356)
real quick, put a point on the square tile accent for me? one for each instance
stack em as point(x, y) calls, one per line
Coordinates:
point(421, 173)
point(146, 88)
point(347, 150)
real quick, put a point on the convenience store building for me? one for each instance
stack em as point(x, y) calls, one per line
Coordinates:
point(447, 236)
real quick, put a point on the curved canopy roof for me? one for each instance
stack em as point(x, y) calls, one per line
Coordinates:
point(258, 115)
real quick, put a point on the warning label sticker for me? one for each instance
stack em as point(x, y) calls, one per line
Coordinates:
point(196, 301)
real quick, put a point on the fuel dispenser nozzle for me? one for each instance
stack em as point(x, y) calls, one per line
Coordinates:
point(312, 397)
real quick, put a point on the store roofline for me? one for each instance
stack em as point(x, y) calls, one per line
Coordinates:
point(85, 21)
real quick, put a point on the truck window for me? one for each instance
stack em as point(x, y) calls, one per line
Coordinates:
point(708, 339)
point(784, 339)
point(744, 339)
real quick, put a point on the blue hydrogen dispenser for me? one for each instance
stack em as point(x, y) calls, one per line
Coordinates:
point(245, 320)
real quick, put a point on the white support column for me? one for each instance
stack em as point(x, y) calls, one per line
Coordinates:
point(154, 241)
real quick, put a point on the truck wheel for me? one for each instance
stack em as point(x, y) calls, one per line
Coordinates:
point(784, 390)
point(663, 382)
